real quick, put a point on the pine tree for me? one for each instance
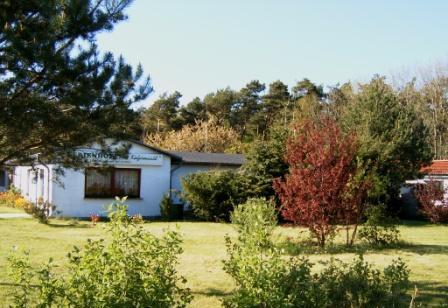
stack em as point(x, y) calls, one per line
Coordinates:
point(57, 91)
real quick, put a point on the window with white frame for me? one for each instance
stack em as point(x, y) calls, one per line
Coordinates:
point(112, 182)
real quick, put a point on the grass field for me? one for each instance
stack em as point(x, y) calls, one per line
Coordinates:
point(425, 250)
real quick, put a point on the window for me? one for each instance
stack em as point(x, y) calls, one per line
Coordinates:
point(2, 178)
point(106, 183)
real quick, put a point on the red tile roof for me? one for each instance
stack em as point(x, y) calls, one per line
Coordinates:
point(436, 167)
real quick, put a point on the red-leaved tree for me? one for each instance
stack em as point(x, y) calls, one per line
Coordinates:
point(433, 204)
point(318, 192)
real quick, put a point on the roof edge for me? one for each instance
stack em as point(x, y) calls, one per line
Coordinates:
point(155, 149)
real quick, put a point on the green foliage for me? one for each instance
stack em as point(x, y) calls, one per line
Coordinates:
point(40, 210)
point(379, 229)
point(132, 269)
point(392, 138)
point(264, 163)
point(213, 194)
point(57, 90)
point(255, 221)
point(358, 284)
point(165, 207)
point(161, 116)
point(264, 278)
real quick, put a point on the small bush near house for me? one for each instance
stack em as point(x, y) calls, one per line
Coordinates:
point(133, 269)
point(40, 210)
point(433, 204)
point(95, 218)
point(213, 194)
point(13, 198)
point(380, 229)
point(165, 207)
point(137, 219)
point(264, 278)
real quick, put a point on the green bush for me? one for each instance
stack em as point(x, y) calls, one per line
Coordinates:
point(255, 221)
point(265, 278)
point(380, 229)
point(165, 207)
point(358, 284)
point(132, 269)
point(40, 210)
point(213, 194)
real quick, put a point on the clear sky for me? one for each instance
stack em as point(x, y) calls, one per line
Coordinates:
point(198, 46)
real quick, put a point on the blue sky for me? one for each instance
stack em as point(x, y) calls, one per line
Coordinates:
point(198, 46)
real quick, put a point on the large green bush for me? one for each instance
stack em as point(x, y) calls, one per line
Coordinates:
point(265, 278)
point(213, 194)
point(131, 269)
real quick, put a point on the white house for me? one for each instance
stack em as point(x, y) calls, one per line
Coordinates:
point(145, 176)
point(4, 181)
point(436, 172)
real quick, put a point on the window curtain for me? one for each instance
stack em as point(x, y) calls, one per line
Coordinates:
point(126, 183)
point(98, 183)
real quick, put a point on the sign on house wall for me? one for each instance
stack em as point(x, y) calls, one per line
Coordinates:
point(99, 157)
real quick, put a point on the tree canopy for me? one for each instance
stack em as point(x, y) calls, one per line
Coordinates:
point(57, 91)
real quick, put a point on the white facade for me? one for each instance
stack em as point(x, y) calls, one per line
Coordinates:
point(157, 177)
point(4, 181)
point(68, 192)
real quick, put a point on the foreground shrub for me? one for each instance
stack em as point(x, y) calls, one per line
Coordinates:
point(265, 278)
point(358, 284)
point(433, 204)
point(255, 221)
point(380, 229)
point(213, 194)
point(132, 269)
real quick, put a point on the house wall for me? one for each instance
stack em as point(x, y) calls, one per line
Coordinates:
point(4, 182)
point(34, 182)
point(68, 195)
point(180, 171)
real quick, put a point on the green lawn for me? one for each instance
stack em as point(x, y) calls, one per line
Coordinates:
point(9, 210)
point(426, 253)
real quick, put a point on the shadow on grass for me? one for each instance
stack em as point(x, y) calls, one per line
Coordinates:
point(212, 292)
point(69, 224)
point(297, 247)
point(432, 292)
point(419, 223)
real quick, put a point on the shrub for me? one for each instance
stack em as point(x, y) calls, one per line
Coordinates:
point(255, 221)
point(40, 210)
point(13, 198)
point(95, 218)
point(264, 278)
point(137, 219)
point(132, 269)
point(320, 181)
point(358, 284)
point(379, 229)
point(433, 204)
point(213, 194)
point(165, 207)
